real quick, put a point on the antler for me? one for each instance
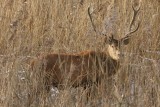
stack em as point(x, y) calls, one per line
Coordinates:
point(128, 35)
point(94, 28)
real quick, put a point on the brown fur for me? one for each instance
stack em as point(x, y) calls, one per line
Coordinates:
point(75, 70)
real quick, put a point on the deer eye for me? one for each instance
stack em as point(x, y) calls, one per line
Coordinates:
point(112, 46)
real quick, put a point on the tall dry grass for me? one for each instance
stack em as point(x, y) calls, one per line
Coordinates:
point(31, 27)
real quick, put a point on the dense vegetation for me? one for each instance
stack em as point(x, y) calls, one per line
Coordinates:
point(31, 27)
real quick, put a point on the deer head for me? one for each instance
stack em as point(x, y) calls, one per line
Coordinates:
point(114, 45)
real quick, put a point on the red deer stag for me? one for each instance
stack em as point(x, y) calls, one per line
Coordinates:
point(84, 68)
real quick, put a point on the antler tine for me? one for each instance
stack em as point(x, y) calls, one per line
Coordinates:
point(135, 11)
point(134, 16)
point(128, 35)
point(94, 28)
point(91, 19)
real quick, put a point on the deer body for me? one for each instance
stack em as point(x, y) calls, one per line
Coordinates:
point(76, 70)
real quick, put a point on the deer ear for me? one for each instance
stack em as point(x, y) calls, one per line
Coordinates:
point(126, 41)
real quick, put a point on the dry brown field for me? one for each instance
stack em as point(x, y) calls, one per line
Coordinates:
point(33, 27)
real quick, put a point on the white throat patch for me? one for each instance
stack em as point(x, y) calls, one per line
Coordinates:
point(113, 52)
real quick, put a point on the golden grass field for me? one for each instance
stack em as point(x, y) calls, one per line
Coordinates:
point(31, 27)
